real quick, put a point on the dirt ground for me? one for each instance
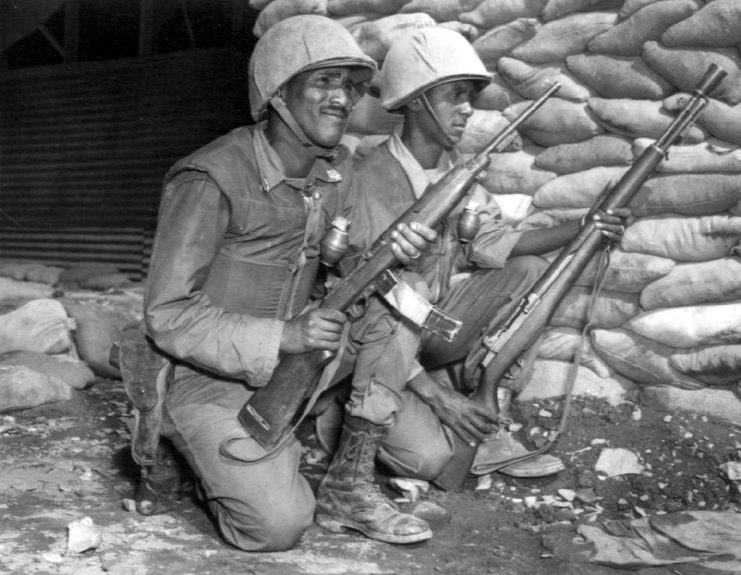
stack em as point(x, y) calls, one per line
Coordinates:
point(66, 461)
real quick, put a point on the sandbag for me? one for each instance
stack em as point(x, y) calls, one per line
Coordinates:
point(513, 207)
point(558, 121)
point(496, 96)
point(718, 23)
point(500, 40)
point(627, 37)
point(482, 126)
point(642, 360)
point(690, 326)
point(40, 325)
point(561, 343)
point(531, 81)
point(683, 239)
point(44, 274)
point(601, 150)
point(713, 281)
point(105, 282)
point(369, 117)
point(618, 77)
point(349, 7)
point(73, 372)
point(15, 270)
point(627, 272)
point(577, 190)
point(490, 13)
point(630, 7)
point(560, 38)
point(94, 335)
point(440, 10)
point(23, 388)
point(78, 273)
point(279, 10)
point(719, 404)
point(687, 194)
point(637, 118)
point(685, 67)
point(375, 37)
point(468, 31)
point(514, 173)
point(713, 365)
point(718, 118)
point(709, 156)
point(258, 4)
point(611, 309)
point(557, 8)
point(14, 290)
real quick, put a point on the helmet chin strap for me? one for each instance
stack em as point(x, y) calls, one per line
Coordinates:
point(436, 121)
point(321, 152)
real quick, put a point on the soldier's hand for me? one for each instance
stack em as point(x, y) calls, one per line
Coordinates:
point(410, 242)
point(613, 222)
point(471, 421)
point(313, 328)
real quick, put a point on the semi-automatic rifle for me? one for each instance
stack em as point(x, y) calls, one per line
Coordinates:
point(273, 409)
point(506, 343)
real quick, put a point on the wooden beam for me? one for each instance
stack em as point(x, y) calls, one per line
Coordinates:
point(147, 27)
point(71, 30)
point(51, 39)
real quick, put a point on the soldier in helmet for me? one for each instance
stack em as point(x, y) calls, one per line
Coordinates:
point(430, 76)
point(234, 263)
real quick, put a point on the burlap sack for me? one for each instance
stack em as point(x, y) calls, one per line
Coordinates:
point(44, 274)
point(496, 96)
point(687, 194)
point(558, 121)
point(531, 81)
point(375, 37)
point(15, 290)
point(440, 10)
point(601, 150)
point(500, 40)
point(630, 7)
point(557, 8)
point(718, 118)
point(279, 10)
point(514, 173)
point(560, 38)
point(577, 190)
point(683, 239)
point(718, 404)
point(627, 37)
point(685, 67)
point(73, 372)
point(78, 273)
point(94, 335)
point(627, 272)
point(468, 31)
point(691, 326)
point(611, 309)
point(713, 281)
point(22, 388)
point(713, 365)
point(718, 23)
point(349, 7)
point(540, 219)
point(490, 13)
point(618, 77)
point(637, 118)
point(642, 360)
point(40, 325)
point(710, 156)
point(482, 126)
point(561, 343)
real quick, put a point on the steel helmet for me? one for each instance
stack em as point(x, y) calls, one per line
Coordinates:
point(425, 58)
point(299, 44)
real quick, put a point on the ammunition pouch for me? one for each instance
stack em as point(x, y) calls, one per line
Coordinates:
point(145, 371)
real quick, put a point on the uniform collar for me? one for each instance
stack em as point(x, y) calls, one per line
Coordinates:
point(418, 176)
point(272, 171)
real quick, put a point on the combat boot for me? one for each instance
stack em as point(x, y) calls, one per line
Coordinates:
point(348, 497)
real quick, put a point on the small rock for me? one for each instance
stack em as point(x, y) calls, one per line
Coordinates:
point(732, 469)
point(483, 483)
point(410, 488)
point(544, 413)
point(587, 496)
point(50, 557)
point(564, 515)
point(128, 504)
point(636, 414)
point(433, 513)
point(531, 501)
point(567, 494)
point(598, 441)
point(83, 536)
point(618, 461)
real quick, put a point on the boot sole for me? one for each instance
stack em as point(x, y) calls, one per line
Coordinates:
point(334, 525)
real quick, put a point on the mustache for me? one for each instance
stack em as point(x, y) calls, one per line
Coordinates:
point(343, 111)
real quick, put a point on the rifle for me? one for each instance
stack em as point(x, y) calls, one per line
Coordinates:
point(530, 317)
point(274, 408)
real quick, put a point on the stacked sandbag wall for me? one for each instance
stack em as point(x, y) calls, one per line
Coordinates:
point(669, 313)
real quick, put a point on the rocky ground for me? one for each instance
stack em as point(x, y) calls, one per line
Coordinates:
point(66, 461)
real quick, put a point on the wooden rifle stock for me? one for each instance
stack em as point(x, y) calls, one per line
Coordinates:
point(534, 311)
point(275, 408)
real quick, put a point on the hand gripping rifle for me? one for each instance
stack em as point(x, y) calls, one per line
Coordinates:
point(527, 321)
point(274, 409)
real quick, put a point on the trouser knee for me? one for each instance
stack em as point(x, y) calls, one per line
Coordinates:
point(423, 462)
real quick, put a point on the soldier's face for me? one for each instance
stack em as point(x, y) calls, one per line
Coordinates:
point(321, 101)
point(451, 103)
